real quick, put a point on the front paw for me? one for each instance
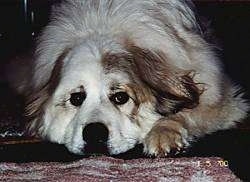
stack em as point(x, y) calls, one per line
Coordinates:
point(163, 140)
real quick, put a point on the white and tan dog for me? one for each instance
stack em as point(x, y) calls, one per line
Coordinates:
point(123, 72)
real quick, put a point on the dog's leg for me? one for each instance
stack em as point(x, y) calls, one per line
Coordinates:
point(167, 135)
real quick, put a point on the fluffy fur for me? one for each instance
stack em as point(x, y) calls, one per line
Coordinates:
point(151, 49)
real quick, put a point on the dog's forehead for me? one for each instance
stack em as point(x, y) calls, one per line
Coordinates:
point(85, 67)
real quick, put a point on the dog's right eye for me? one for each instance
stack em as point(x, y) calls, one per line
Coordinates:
point(77, 98)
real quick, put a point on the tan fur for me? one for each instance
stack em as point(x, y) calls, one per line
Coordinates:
point(167, 135)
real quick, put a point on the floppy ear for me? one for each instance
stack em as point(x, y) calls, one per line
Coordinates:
point(173, 88)
point(37, 100)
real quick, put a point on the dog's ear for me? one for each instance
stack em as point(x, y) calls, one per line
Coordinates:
point(37, 100)
point(173, 88)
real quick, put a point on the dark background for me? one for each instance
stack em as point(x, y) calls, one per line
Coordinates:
point(21, 22)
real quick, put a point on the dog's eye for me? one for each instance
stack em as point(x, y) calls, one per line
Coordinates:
point(77, 98)
point(119, 98)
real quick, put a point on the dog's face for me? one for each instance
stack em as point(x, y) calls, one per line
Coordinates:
point(90, 93)
point(96, 103)
point(106, 100)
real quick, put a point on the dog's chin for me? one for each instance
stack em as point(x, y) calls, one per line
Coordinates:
point(122, 148)
point(76, 149)
point(106, 149)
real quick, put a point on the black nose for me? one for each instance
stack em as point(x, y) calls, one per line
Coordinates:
point(95, 133)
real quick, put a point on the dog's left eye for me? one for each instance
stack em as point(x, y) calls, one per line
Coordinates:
point(77, 98)
point(119, 98)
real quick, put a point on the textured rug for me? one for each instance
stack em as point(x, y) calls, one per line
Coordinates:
point(110, 169)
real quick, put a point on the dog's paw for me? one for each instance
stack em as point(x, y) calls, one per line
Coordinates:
point(162, 141)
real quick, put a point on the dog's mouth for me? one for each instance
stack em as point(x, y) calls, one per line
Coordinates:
point(97, 142)
point(96, 148)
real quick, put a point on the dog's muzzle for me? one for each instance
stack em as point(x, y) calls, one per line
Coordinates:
point(96, 136)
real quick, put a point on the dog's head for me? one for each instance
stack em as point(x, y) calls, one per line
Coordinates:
point(107, 90)
point(110, 100)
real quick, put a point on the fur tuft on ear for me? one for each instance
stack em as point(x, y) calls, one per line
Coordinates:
point(173, 88)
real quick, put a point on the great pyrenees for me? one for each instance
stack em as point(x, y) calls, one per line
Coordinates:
point(110, 74)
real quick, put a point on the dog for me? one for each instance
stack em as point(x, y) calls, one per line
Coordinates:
point(111, 74)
